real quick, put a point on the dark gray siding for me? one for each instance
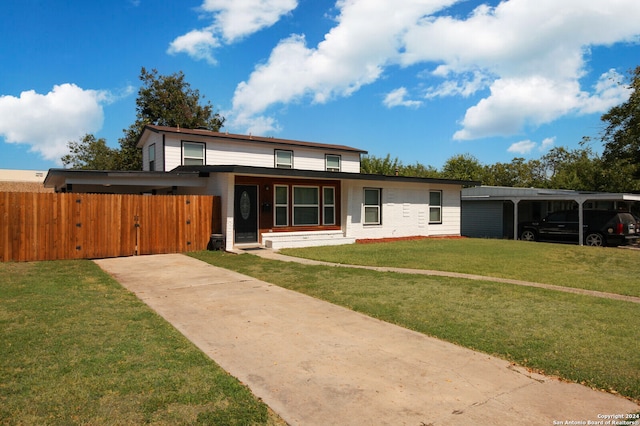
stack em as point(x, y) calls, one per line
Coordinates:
point(482, 219)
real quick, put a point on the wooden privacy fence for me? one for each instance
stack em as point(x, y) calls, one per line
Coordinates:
point(46, 226)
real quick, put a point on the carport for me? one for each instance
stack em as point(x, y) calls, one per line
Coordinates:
point(483, 206)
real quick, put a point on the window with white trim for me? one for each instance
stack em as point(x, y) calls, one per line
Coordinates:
point(152, 157)
point(328, 205)
point(372, 206)
point(284, 159)
point(332, 163)
point(193, 153)
point(306, 205)
point(435, 206)
point(281, 203)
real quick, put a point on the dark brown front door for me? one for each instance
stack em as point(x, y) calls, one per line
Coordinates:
point(246, 214)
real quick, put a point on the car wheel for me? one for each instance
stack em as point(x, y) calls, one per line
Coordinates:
point(594, 240)
point(528, 235)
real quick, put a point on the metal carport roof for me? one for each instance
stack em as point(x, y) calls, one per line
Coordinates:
point(515, 195)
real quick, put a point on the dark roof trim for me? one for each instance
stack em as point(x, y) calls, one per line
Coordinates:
point(56, 176)
point(246, 138)
point(314, 174)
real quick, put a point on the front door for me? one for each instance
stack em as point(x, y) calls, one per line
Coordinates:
point(246, 214)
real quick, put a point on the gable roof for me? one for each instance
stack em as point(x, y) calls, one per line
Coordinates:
point(244, 138)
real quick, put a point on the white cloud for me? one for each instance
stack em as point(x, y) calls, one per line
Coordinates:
point(529, 54)
point(354, 53)
point(535, 49)
point(48, 122)
point(609, 91)
point(232, 21)
point(198, 44)
point(517, 102)
point(526, 146)
point(547, 143)
point(464, 86)
point(397, 98)
point(237, 19)
point(522, 147)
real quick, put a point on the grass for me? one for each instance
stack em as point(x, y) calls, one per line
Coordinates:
point(77, 348)
point(580, 338)
point(611, 270)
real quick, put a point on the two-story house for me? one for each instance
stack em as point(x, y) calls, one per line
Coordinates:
point(281, 193)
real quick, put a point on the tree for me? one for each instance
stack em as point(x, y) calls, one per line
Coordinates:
point(164, 101)
point(370, 164)
point(420, 170)
point(387, 166)
point(90, 153)
point(463, 167)
point(518, 173)
point(621, 136)
point(577, 169)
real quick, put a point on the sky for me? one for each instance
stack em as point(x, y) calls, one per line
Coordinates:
point(421, 80)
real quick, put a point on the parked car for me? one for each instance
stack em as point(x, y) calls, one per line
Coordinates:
point(601, 228)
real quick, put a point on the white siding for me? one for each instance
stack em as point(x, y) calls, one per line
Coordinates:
point(405, 210)
point(242, 153)
point(154, 138)
point(172, 153)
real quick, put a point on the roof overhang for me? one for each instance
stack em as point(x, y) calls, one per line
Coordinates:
point(498, 193)
point(117, 181)
point(315, 174)
point(195, 177)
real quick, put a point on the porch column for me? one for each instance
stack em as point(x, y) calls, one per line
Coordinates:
point(515, 202)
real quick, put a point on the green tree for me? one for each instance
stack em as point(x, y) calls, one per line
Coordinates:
point(621, 136)
point(370, 164)
point(517, 173)
point(90, 153)
point(464, 167)
point(164, 101)
point(577, 169)
point(388, 166)
point(420, 170)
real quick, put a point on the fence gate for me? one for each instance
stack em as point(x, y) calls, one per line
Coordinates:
point(48, 226)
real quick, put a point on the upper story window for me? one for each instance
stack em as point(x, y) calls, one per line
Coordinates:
point(193, 153)
point(332, 163)
point(372, 206)
point(152, 157)
point(284, 159)
point(435, 207)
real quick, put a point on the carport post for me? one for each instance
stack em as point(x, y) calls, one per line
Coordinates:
point(580, 224)
point(580, 202)
point(515, 202)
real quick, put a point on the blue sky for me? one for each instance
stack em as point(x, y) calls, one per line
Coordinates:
point(422, 80)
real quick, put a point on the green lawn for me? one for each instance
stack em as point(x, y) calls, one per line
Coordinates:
point(77, 348)
point(584, 339)
point(612, 270)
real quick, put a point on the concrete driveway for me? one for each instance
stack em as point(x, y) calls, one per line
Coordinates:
point(315, 363)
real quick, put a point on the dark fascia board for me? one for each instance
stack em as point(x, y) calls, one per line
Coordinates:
point(246, 138)
point(314, 174)
point(57, 177)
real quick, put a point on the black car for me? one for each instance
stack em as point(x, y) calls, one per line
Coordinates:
point(601, 228)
